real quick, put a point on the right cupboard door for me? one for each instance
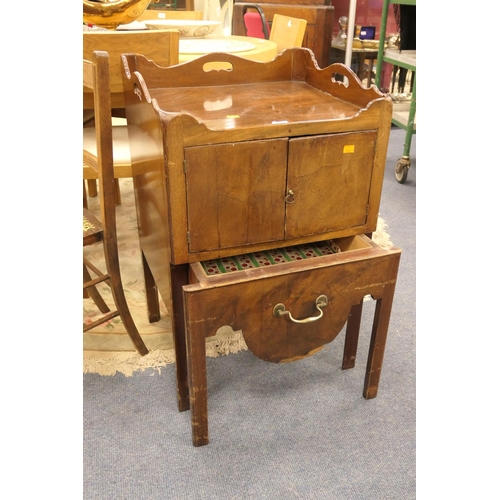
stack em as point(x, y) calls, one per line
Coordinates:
point(329, 178)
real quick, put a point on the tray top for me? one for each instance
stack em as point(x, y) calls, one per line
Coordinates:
point(205, 45)
point(247, 105)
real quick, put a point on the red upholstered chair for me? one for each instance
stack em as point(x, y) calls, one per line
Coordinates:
point(255, 22)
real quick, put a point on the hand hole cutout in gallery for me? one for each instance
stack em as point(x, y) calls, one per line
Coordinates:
point(218, 66)
point(340, 78)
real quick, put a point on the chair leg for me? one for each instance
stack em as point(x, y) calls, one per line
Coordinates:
point(93, 293)
point(85, 201)
point(92, 191)
point(118, 196)
point(151, 292)
point(115, 282)
point(92, 187)
point(127, 320)
point(113, 279)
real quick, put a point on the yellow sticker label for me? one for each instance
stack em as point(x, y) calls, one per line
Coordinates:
point(349, 148)
point(232, 116)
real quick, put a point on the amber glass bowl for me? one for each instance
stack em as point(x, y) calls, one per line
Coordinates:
point(111, 13)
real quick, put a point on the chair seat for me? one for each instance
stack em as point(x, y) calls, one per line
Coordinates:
point(121, 148)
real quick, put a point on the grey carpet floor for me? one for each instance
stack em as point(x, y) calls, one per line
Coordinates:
point(299, 430)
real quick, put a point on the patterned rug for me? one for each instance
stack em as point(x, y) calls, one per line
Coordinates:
point(107, 348)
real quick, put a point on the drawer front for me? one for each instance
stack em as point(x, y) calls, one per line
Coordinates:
point(289, 311)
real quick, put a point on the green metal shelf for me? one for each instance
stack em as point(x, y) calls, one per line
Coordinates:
point(403, 116)
point(404, 58)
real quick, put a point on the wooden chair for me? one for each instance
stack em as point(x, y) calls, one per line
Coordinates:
point(161, 46)
point(96, 76)
point(254, 22)
point(287, 31)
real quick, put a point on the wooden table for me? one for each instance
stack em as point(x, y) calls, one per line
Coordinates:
point(338, 52)
point(161, 46)
point(253, 49)
point(241, 165)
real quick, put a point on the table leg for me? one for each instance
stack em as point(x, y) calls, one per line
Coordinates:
point(179, 278)
point(351, 336)
point(370, 71)
point(378, 340)
point(197, 371)
point(92, 187)
point(361, 65)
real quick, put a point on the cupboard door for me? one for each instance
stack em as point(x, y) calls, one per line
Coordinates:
point(235, 193)
point(330, 177)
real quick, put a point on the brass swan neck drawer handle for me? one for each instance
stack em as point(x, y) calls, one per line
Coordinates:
point(279, 311)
